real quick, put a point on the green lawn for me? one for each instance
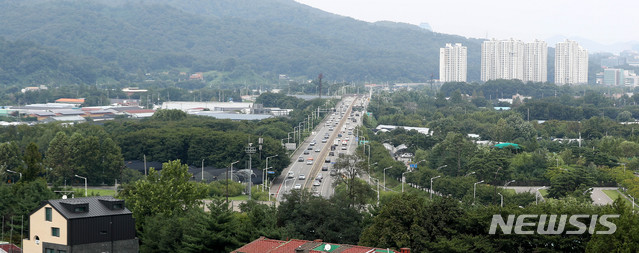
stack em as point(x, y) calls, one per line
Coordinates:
point(509, 191)
point(614, 194)
point(94, 192)
point(240, 197)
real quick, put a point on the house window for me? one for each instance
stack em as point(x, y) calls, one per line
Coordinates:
point(80, 209)
point(117, 206)
point(49, 251)
point(47, 213)
point(55, 232)
point(62, 251)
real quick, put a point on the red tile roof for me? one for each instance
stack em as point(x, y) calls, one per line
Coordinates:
point(289, 246)
point(261, 245)
point(10, 248)
point(265, 245)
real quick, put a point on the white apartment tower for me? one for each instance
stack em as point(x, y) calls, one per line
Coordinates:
point(571, 63)
point(453, 63)
point(502, 59)
point(514, 59)
point(536, 62)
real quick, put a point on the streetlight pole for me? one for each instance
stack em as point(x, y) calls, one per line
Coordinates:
point(404, 179)
point(11, 171)
point(502, 200)
point(385, 177)
point(227, 181)
point(202, 170)
point(85, 185)
point(265, 175)
point(475, 190)
point(443, 166)
point(431, 186)
point(511, 181)
point(469, 174)
point(633, 203)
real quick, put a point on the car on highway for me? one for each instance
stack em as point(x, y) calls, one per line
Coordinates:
point(316, 183)
point(343, 147)
point(319, 177)
point(317, 150)
point(324, 140)
point(309, 161)
point(327, 160)
point(297, 186)
point(325, 168)
point(300, 159)
point(290, 174)
point(306, 152)
point(333, 172)
point(309, 147)
point(331, 153)
point(301, 177)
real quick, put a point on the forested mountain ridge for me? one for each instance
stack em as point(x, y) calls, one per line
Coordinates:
point(269, 37)
point(28, 63)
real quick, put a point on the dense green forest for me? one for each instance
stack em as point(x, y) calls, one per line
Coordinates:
point(246, 40)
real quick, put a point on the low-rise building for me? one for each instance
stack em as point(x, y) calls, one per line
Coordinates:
point(92, 224)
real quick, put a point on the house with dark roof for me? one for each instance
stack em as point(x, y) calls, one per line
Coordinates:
point(92, 224)
point(265, 245)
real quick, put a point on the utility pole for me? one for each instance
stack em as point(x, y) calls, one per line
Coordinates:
point(250, 150)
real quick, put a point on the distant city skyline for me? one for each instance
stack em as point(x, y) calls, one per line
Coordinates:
point(610, 22)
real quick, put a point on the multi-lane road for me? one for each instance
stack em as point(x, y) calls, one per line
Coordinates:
point(312, 162)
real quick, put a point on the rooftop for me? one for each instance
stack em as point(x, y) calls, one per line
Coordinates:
point(94, 207)
point(265, 245)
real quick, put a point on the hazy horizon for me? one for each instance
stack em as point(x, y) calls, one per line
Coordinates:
point(612, 22)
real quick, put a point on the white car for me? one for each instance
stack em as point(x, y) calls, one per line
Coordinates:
point(301, 177)
point(297, 187)
point(316, 183)
point(290, 175)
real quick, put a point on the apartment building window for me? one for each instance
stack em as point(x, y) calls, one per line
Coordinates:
point(55, 232)
point(47, 213)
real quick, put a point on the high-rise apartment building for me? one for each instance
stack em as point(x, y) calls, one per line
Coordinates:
point(571, 63)
point(502, 59)
point(453, 63)
point(536, 62)
point(514, 59)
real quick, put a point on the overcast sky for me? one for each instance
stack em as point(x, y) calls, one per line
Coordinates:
point(605, 22)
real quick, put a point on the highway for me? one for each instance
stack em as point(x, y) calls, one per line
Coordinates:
point(314, 156)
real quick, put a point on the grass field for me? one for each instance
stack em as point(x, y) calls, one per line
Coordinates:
point(241, 197)
point(510, 191)
point(614, 194)
point(94, 192)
